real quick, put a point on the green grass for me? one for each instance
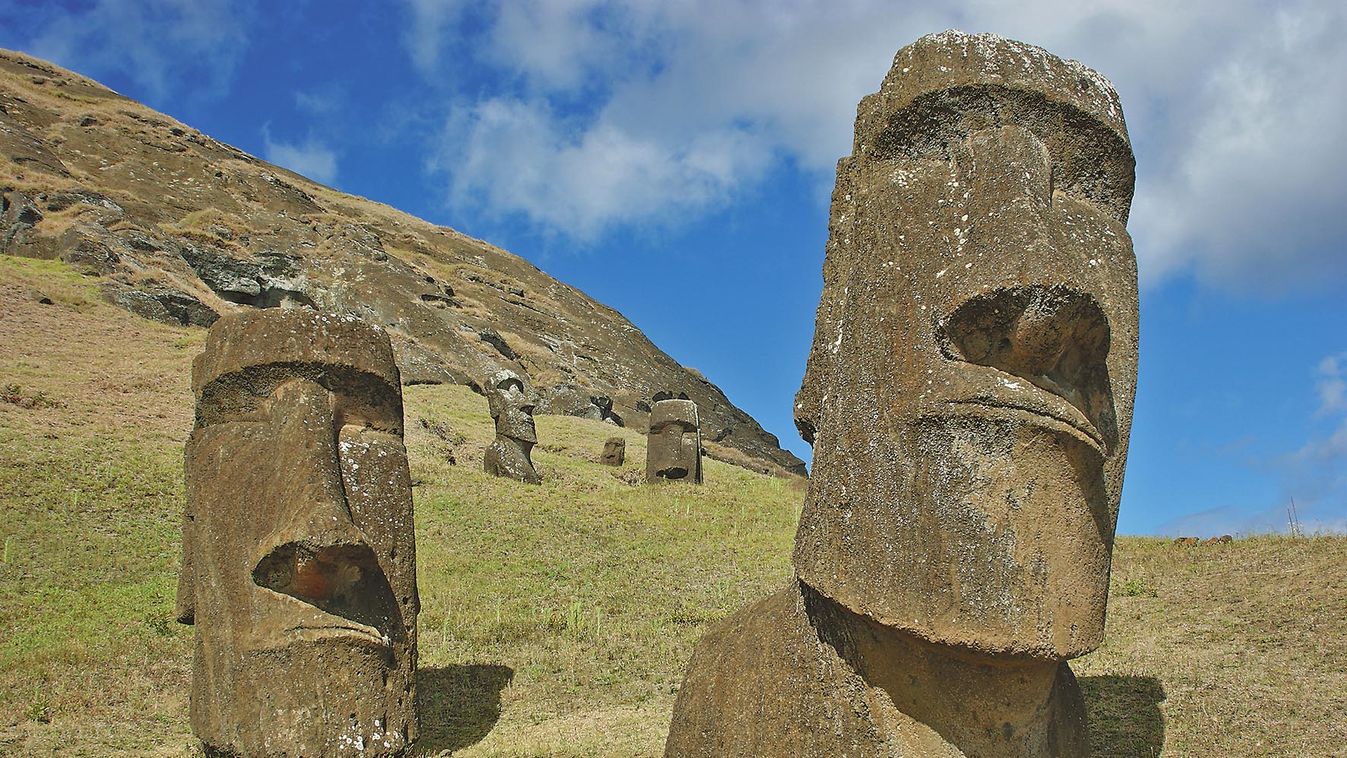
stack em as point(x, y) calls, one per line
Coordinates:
point(556, 619)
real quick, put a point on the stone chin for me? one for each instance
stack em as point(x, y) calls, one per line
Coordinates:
point(996, 539)
point(518, 425)
point(344, 698)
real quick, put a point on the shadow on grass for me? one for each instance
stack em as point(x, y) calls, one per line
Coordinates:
point(1124, 715)
point(458, 705)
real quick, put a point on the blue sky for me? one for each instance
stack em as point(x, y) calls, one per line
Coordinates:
point(613, 143)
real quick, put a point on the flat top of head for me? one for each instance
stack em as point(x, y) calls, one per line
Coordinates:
point(272, 336)
point(952, 60)
point(502, 380)
point(673, 410)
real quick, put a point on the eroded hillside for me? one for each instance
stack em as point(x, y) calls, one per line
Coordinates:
point(180, 228)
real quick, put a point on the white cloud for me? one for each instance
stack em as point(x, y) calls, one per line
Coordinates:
point(1332, 385)
point(429, 20)
point(1316, 474)
point(309, 158)
point(1312, 476)
point(1310, 519)
point(511, 156)
point(170, 47)
point(1254, 186)
point(322, 101)
point(1233, 110)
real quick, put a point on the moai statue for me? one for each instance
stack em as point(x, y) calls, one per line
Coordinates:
point(969, 397)
point(674, 444)
point(511, 402)
point(299, 557)
point(614, 452)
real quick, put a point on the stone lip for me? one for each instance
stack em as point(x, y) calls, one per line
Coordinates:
point(953, 59)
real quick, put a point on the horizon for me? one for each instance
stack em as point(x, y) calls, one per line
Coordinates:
point(608, 143)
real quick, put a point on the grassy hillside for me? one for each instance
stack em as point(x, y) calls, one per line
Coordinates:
point(182, 227)
point(556, 619)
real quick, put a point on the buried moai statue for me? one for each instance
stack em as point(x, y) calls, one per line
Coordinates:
point(299, 555)
point(511, 402)
point(674, 445)
point(614, 452)
point(969, 397)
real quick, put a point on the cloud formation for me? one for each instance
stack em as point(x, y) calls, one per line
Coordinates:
point(1316, 474)
point(310, 158)
point(629, 112)
point(1313, 476)
point(1332, 385)
point(169, 47)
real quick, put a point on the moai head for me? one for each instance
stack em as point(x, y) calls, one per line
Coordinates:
point(511, 402)
point(614, 452)
point(674, 445)
point(299, 557)
point(969, 391)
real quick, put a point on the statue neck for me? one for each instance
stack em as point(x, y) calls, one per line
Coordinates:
point(514, 442)
point(943, 698)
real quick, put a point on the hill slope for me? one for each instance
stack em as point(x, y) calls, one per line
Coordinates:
point(180, 227)
point(528, 649)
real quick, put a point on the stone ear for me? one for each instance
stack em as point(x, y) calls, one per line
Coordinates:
point(818, 373)
point(185, 606)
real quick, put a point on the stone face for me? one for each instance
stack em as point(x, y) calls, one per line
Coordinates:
point(511, 402)
point(674, 445)
point(614, 452)
point(299, 555)
point(969, 398)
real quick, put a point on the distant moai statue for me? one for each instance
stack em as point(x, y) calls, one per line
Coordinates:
point(969, 399)
point(299, 554)
point(614, 452)
point(511, 401)
point(674, 444)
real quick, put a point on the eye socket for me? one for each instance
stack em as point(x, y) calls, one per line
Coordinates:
point(365, 412)
point(242, 397)
point(358, 399)
point(1056, 338)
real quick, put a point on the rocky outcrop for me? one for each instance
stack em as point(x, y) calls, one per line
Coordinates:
point(182, 228)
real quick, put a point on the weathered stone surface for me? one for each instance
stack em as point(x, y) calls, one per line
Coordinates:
point(571, 400)
point(511, 401)
point(18, 215)
point(268, 282)
point(154, 200)
point(969, 398)
point(674, 445)
point(614, 452)
point(17, 144)
point(299, 554)
point(162, 304)
point(798, 675)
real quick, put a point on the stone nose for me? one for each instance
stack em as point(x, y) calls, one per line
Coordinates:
point(316, 553)
point(1055, 337)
